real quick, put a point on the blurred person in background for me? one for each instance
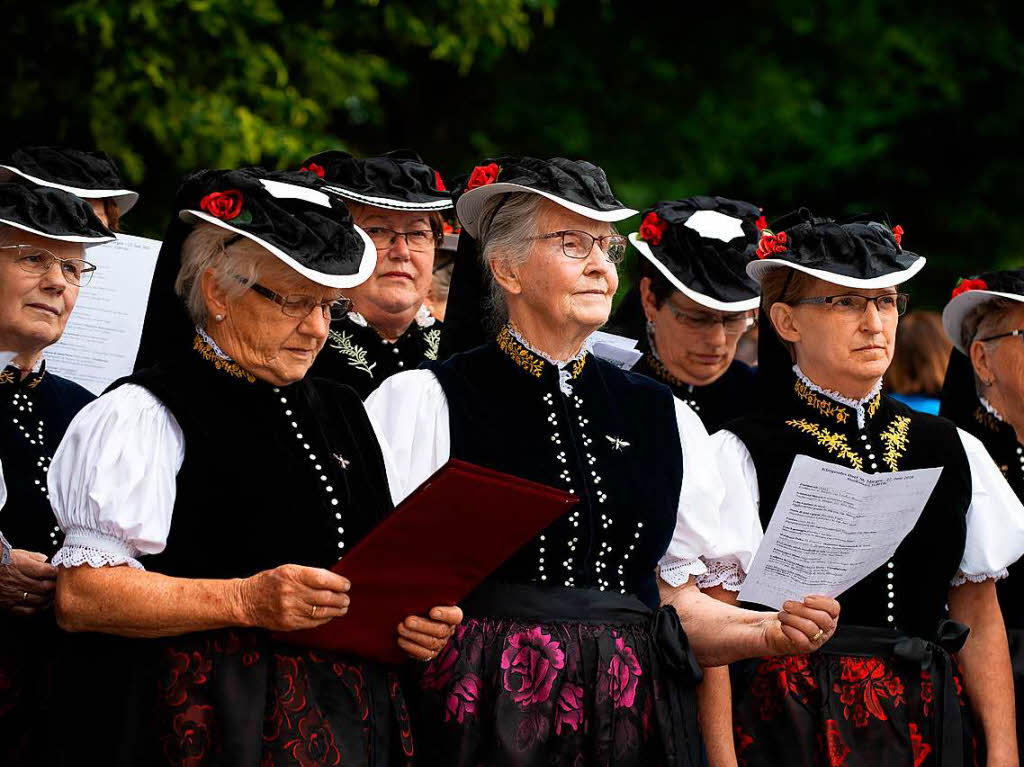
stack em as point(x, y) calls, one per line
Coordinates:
point(919, 362)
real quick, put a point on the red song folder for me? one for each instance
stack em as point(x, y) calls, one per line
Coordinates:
point(434, 549)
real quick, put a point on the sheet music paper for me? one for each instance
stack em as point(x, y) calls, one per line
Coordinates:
point(618, 350)
point(832, 527)
point(102, 336)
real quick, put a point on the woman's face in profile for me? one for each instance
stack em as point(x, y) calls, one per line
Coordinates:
point(1003, 365)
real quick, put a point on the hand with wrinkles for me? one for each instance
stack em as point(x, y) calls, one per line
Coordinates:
point(27, 583)
point(423, 638)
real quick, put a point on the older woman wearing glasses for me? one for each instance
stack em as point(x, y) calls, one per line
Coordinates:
point(43, 233)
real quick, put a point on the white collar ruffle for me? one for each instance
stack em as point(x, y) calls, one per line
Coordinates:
point(213, 344)
point(859, 406)
point(988, 406)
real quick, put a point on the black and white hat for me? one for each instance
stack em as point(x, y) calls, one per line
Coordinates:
point(51, 213)
point(860, 252)
point(89, 175)
point(702, 246)
point(398, 180)
point(576, 185)
point(290, 215)
point(974, 291)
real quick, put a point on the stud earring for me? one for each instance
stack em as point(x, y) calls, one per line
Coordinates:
point(219, 317)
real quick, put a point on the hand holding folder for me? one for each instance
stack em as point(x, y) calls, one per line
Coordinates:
point(434, 549)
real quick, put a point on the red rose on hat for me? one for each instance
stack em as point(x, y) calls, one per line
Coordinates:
point(897, 233)
point(962, 286)
point(771, 243)
point(652, 228)
point(761, 223)
point(447, 228)
point(483, 175)
point(226, 205)
point(438, 183)
point(313, 168)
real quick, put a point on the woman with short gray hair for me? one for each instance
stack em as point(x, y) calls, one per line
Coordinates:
point(566, 654)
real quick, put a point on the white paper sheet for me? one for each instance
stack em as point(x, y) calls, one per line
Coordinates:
point(102, 336)
point(832, 527)
point(618, 350)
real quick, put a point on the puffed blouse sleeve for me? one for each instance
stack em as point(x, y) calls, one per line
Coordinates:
point(706, 543)
point(995, 519)
point(112, 479)
point(409, 414)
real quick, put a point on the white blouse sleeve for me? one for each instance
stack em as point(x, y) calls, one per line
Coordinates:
point(112, 479)
point(995, 519)
point(409, 414)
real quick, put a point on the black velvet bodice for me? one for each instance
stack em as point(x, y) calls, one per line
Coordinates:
point(613, 441)
point(271, 475)
point(34, 414)
point(909, 592)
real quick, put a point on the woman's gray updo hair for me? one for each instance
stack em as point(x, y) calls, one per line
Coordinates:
point(234, 270)
point(508, 223)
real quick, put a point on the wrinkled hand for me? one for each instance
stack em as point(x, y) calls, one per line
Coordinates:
point(27, 583)
point(283, 599)
point(422, 638)
point(793, 630)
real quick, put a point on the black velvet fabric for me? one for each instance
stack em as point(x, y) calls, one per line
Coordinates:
point(401, 176)
point(50, 212)
point(95, 171)
point(705, 264)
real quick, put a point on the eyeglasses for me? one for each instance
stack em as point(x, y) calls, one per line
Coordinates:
point(732, 324)
point(853, 304)
point(1004, 335)
point(577, 244)
point(38, 261)
point(418, 239)
point(300, 306)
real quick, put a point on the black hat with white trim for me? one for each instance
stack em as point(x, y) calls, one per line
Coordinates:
point(398, 180)
point(576, 185)
point(51, 213)
point(972, 292)
point(702, 246)
point(859, 252)
point(89, 175)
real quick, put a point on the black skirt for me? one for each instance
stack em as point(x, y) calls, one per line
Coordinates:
point(559, 676)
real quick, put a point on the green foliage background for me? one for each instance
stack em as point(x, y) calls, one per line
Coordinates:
point(910, 108)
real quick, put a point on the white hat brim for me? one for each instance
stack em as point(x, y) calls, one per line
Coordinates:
point(389, 204)
point(711, 303)
point(87, 241)
point(757, 269)
point(124, 198)
point(471, 204)
point(366, 265)
point(958, 308)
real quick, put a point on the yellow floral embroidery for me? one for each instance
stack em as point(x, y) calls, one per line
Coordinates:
point(228, 366)
point(6, 377)
point(895, 440)
point(577, 367)
point(873, 407)
point(822, 405)
point(520, 355)
point(831, 441)
point(433, 340)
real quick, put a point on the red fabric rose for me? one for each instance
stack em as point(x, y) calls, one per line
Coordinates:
point(962, 286)
point(771, 243)
point(462, 701)
point(447, 228)
point(313, 168)
point(569, 709)
point(438, 183)
point(531, 662)
point(652, 228)
point(483, 175)
point(897, 233)
point(761, 223)
point(624, 673)
point(226, 205)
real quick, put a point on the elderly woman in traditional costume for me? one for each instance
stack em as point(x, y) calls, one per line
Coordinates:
point(204, 498)
point(43, 236)
point(397, 200)
point(565, 656)
point(902, 682)
point(984, 395)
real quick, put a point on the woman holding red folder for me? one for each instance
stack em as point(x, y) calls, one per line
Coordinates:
point(565, 657)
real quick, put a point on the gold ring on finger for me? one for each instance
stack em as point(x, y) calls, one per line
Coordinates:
point(819, 635)
point(24, 597)
point(312, 613)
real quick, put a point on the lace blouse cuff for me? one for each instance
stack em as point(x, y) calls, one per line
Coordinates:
point(962, 577)
point(96, 549)
point(676, 573)
point(722, 572)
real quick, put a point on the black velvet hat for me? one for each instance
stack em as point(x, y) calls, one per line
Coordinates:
point(90, 175)
point(859, 252)
point(702, 246)
point(398, 180)
point(974, 291)
point(51, 213)
point(576, 185)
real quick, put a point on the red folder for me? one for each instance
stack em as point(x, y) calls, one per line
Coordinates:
point(438, 545)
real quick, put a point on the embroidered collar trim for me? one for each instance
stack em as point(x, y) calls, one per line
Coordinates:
point(207, 348)
point(11, 375)
point(533, 361)
point(864, 407)
point(991, 410)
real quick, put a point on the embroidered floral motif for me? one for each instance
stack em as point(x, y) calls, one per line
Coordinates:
point(520, 355)
point(229, 366)
point(577, 366)
point(6, 377)
point(778, 678)
point(831, 744)
point(863, 684)
point(356, 354)
point(432, 338)
point(875, 403)
point(822, 405)
point(33, 382)
point(531, 661)
point(831, 441)
point(895, 440)
point(623, 675)
point(921, 749)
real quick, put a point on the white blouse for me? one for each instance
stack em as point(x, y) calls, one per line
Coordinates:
point(410, 412)
point(995, 518)
point(112, 480)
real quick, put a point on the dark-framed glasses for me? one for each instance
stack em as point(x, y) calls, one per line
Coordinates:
point(38, 261)
point(854, 304)
point(577, 244)
point(997, 336)
point(418, 239)
point(732, 324)
point(300, 306)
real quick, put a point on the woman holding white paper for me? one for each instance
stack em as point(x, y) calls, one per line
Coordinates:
point(902, 682)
